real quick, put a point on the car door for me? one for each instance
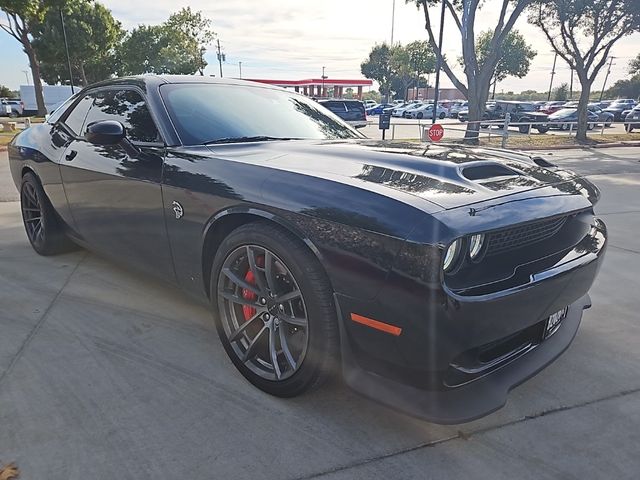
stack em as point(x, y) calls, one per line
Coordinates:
point(113, 191)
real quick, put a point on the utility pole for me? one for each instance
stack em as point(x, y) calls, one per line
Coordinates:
point(26, 74)
point(553, 72)
point(393, 19)
point(66, 47)
point(606, 77)
point(221, 57)
point(571, 84)
point(436, 95)
point(240, 67)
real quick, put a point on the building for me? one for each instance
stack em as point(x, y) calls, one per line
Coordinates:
point(429, 92)
point(318, 87)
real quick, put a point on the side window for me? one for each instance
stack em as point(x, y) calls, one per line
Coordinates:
point(127, 107)
point(75, 118)
point(335, 107)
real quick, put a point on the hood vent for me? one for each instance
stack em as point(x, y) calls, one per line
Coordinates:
point(487, 171)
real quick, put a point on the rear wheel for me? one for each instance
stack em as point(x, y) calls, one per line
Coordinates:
point(275, 312)
point(442, 115)
point(40, 221)
point(419, 115)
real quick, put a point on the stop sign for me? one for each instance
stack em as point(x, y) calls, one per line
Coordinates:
point(436, 132)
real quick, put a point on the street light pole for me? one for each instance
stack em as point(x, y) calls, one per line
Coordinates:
point(66, 47)
point(323, 79)
point(436, 95)
point(26, 74)
point(571, 84)
point(240, 67)
point(393, 19)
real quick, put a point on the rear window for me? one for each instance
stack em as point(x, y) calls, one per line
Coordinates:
point(354, 107)
point(335, 107)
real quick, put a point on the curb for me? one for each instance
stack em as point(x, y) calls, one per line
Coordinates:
point(578, 147)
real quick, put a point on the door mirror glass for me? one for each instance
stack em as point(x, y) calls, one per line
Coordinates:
point(105, 132)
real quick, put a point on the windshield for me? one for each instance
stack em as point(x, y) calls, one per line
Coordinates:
point(206, 113)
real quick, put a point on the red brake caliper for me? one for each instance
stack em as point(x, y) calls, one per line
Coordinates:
point(247, 294)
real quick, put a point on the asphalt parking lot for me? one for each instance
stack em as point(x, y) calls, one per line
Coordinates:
point(108, 374)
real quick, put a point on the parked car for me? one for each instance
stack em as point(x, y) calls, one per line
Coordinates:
point(351, 111)
point(520, 112)
point(456, 108)
point(551, 107)
point(425, 111)
point(603, 117)
point(634, 114)
point(378, 109)
point(562, 119)
point(538, 104)
point(11, 107)
point(605, 103)
point(400, 112)
point(287, 222)
point(619, 106)
point(368, 104)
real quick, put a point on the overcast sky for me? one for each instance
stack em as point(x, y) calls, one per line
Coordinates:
point(293, 39)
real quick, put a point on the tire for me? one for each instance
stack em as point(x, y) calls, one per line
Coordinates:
point(311, 346)
point(590, 126)
point(419, 115)
point(607, 124)
point(44, 229)
point(523, 128)
point(542, 129)
point(442, 115)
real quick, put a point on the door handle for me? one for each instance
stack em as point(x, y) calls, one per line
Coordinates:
point(71, 155)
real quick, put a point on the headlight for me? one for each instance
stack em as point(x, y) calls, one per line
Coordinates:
point(451, 256)
point(475, 246)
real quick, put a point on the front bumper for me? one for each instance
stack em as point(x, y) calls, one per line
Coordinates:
point(412, 372)
point(472, 400)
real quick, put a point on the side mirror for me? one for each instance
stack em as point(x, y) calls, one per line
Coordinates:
point(105, 132)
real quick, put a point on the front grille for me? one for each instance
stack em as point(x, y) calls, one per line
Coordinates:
point(516, 237)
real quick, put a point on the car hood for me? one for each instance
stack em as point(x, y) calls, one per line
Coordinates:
point(431, 178)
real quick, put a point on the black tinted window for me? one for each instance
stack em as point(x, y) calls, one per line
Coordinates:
point(205, 113)
point(355, 107)
point(127, 107)
point(76, 117)
point(335, 107)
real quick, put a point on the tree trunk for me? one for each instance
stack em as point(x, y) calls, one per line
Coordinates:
point(35, 74)
point(583, 119)
point(478, 94)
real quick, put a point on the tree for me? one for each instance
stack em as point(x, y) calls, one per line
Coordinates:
point(561, 92)
point(93, 35)
point(421, 59)
point(22, 16)
point(176, 46)
point(625, 88)
point(378, 67)
point(5, 92)
point(516, 57)
point(478, 74)
point(582, 32)
point(634, 65)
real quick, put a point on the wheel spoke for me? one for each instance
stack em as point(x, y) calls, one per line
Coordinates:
point(37, 230)
point(30, 209)
point(251, 257)
point(268, 271)
point(285, 349)
point(252, 346)
point(242, 301)
point(235, 335)
point(33, 219)
point(291, 320)
point(288, 296)
point(240, 282)
point(273, 353)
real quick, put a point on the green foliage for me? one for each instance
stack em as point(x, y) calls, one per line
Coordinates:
point(6, 92)
point(516, 56)
point(372, 95)
point(93, 36)
point(634, 65)
point(625, 88)
point(396, 68)
point(176, 46)
point(561, 92)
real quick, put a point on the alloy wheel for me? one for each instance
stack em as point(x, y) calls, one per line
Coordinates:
point(263, 312)
point(32, 214)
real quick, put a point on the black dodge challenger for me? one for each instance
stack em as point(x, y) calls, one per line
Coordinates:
point(436, 278)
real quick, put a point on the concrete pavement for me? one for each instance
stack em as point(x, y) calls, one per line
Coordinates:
point(105, 373)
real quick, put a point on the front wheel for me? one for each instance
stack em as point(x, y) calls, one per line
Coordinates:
point(41, 224)
point(275, 312)
point(442, 115)
point(542, 129)
point(419, 115)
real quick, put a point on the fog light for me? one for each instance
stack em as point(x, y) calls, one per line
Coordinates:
point(475, 246)
point(451, 256)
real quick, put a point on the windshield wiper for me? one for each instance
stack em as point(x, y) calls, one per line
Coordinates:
point(257, 138)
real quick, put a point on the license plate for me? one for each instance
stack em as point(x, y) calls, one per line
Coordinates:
point(554, 321)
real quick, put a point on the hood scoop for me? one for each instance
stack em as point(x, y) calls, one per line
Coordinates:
point(488, 171)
